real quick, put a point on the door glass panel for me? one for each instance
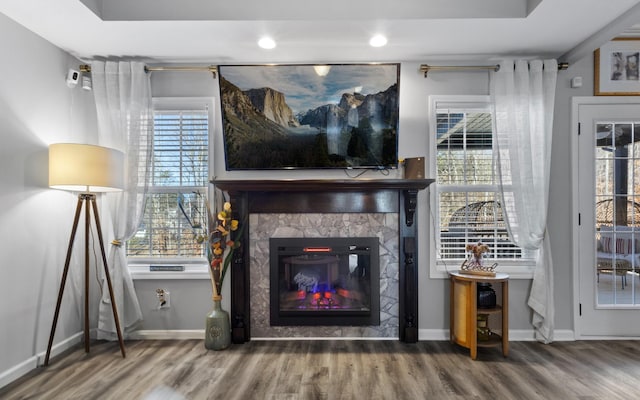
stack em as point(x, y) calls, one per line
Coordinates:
point(617, 209)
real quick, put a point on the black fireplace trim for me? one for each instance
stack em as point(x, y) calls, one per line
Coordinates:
point(329, 318)
point(327, 196)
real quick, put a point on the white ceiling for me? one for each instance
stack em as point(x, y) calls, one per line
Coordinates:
point(226, 31)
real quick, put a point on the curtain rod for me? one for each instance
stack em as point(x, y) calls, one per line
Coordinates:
point(211, 68)
point(426, 68)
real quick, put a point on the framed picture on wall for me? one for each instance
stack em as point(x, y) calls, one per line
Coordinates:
point(616, 68)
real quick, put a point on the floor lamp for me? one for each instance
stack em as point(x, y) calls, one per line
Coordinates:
point(86, 169)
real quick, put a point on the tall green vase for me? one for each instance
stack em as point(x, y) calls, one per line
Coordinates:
point(217, 335)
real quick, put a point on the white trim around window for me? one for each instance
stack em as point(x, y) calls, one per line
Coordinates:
point(439, 268)
point(193, 268)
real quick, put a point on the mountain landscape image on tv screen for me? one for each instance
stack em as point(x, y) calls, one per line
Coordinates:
point(310, 116)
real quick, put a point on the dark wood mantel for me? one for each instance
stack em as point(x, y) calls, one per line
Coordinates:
point(336, 185)
point(327, 196)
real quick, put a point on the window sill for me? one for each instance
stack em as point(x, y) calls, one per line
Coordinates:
point(523, 270)
point(142, 271)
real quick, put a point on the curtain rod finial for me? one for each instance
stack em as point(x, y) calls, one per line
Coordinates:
point(425, 69)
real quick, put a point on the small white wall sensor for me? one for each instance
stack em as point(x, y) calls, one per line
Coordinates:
point(576, 82)
point(73, 77)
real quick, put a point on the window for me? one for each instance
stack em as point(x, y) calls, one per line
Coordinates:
point(467, 201)
point(178, 186)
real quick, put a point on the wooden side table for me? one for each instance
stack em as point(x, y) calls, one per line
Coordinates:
point(463, 328)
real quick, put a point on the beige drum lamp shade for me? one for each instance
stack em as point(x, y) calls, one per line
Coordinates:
point(84, 167)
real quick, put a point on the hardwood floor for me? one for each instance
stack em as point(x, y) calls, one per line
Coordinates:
point(279, 370)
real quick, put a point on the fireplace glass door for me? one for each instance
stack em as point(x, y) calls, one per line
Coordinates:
point(324, 281)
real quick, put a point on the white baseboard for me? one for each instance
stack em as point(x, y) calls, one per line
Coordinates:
point(166, 334)
point(199, 334)
point(564, 335)
point(515, 335)
point(26, 366)
point(528, 335)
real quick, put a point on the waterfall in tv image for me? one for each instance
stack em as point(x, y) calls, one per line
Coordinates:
point(292, 116)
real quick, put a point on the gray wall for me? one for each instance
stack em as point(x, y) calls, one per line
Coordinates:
point(560, 207)
point(190, 301)
point(36, 109)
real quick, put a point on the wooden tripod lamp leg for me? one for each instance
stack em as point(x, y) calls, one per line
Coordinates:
point(64, 279)
point(87, 231)
point(107, 275)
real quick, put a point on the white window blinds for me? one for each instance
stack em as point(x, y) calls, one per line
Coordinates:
point(178, 187)
point(469, 209)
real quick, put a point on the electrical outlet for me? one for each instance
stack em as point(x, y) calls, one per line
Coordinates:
point(163, 299)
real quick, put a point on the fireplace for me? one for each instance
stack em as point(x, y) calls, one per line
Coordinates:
point(324, 281)
point(328, 196)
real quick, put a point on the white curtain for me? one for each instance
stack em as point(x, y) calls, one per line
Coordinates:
point(523, 93)
point(122, 92)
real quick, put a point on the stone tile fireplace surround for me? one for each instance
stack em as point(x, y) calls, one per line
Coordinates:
point(355, 207)
point(264, 226)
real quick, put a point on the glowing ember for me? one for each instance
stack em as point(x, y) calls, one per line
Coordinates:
point(317, 249)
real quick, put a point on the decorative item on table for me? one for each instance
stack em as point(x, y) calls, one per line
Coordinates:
point(474, 263)
point(483, 327)
point(216, 232)
point(486, 296)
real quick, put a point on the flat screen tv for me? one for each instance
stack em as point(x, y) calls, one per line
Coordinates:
point(310, 116)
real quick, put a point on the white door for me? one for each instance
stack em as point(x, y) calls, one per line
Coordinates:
point(607, 197)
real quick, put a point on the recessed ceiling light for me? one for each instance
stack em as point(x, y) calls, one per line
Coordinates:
point(266, 43)
point(378, 41)
point(322, 70)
